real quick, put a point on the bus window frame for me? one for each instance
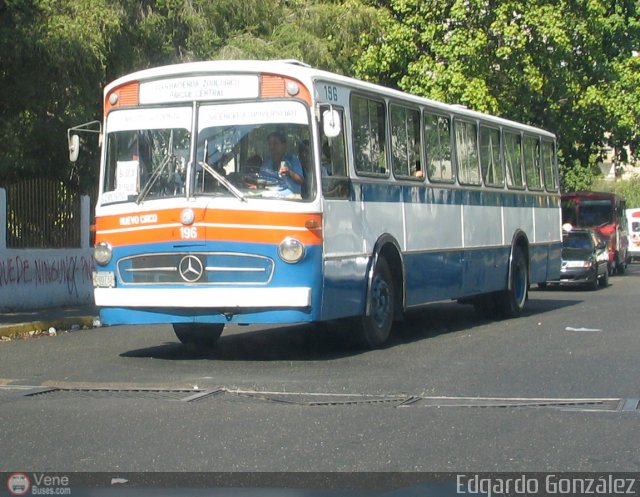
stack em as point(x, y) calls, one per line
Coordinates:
point(420, 146)
point(537, 167)
point(507, 171)
point(553, 165)
point(501, 162)
point(384, 152)
point(474, 124)
point(451, 180)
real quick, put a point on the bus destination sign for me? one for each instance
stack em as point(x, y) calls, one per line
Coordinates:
point(199, 88)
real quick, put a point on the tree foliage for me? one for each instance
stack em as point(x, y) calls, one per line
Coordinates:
point(51, 71)
point(565, 65)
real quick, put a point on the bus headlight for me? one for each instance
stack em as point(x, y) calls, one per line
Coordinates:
point(102, 253)
point(291, 250)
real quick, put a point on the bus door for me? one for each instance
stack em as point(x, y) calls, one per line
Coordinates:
point(342, 215)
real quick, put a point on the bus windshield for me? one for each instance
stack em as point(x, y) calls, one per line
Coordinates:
point(595, 213)
point(241, 150)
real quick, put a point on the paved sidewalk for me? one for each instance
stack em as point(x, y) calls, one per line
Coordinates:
point(61, 318)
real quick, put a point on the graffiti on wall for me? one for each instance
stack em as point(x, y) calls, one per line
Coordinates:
point(65, 271)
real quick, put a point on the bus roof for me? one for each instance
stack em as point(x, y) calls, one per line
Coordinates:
point(308, 75)
point(592, 195)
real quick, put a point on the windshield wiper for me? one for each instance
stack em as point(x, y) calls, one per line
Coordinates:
point(156, 173)
point(221, 179)
point(152, 179)
point(224, 181)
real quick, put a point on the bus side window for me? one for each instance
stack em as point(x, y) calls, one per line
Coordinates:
point(405, 142)
point(548, 164)
point(333, 163)
point(467, 160)
point(532, 166)
point(368, 120)
point(490, 156)
point(513, 159)
point(437, 139)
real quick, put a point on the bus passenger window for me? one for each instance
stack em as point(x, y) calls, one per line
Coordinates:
point(405, 142)
point(548, 164)
point(532, 162)
point(490, 156)
point(369, 137)
point(467, 152)
point(513, 159)
point(437, 141)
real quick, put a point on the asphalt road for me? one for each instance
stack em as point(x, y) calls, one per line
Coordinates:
point(554, 390)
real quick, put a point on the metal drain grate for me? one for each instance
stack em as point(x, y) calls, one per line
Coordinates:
point(316, 399)
point(328, 399)
point(484, 402)
point(182, 395)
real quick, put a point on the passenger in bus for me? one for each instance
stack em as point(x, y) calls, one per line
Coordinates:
point(417, 171)
point(287, 166)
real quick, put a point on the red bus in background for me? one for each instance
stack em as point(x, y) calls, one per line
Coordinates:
point(605, 213)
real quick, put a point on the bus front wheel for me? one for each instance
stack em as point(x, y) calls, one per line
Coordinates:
point(512, 300)
point(373, 329)
point(198, 335)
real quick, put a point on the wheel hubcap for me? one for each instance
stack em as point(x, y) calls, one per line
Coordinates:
point(380, 301)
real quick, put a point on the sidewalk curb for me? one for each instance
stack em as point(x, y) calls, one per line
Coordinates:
point(14, 329)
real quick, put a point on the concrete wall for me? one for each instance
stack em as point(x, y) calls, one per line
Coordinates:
point(33, 279)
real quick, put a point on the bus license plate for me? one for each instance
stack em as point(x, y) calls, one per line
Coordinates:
point(104, 279)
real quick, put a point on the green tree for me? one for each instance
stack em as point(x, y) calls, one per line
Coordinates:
point(554, 64)
point(52, 60)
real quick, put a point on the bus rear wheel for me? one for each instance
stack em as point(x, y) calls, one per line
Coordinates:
point(373, 329)
point(511, 301)
point(198, 335)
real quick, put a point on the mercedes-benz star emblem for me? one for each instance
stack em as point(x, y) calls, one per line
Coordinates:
point(190, 268)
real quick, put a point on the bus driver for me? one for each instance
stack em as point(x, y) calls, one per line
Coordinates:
point(287, 166)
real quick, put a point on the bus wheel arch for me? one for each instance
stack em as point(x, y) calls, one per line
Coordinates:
point(511, 301)
point(384, 299)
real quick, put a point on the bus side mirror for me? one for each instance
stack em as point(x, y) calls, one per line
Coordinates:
point(74, 147)
point(331, 123)
point(74, 139)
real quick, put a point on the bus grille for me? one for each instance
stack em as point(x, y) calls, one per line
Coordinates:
point(203, 268)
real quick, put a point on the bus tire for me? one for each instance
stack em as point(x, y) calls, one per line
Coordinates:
point(198, 335)
point(373, 329)
point(511, 301)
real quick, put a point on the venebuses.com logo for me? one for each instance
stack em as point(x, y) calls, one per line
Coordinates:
point(38, 484)
point(18, 484)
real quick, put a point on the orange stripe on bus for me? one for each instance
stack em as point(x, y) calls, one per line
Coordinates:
point(216, 216)
point(232, 226)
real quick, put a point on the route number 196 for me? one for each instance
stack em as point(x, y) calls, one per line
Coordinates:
point(331, 93)
point(189, 233)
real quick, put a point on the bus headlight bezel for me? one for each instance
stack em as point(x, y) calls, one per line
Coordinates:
point(102, 253)
point(291, 250)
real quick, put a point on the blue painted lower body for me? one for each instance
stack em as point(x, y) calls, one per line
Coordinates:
point(305, 274)
point(435, 276)
point(339, 289)
point(132, 315)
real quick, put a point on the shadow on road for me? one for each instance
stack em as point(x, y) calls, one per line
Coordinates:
point(312, 342)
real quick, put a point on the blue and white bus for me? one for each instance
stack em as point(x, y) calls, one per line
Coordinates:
point(247, 192)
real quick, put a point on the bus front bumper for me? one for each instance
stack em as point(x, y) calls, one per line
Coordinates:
point(204, 298)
